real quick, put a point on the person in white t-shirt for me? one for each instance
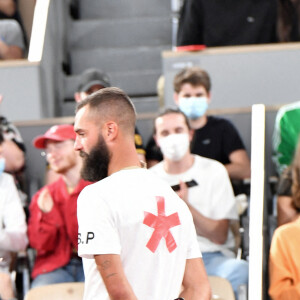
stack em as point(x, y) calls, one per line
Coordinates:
point(13, 227)
point(204, 185)
point(136, 236)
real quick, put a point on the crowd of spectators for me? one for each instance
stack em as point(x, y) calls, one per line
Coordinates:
point(187, 145)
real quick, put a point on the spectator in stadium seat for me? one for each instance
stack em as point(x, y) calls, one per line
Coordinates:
point(11, 40)
point(13, 150)
point(223, 23)
point(53, 227)
point(288, 192)
point(214, 137)
point(284, 258)
point(203, 184)
point(286, 135)
point(13, 227)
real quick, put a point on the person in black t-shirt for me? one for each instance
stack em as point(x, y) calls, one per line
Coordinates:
point(214, 137)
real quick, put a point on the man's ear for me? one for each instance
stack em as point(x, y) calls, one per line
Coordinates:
point(191, 134)
point(77, 97)
point(208, 97)
point(176, 98)
point(155, 139)
point(111, 131)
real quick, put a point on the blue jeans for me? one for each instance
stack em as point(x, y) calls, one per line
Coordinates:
point(234, 270)
point(72, 272)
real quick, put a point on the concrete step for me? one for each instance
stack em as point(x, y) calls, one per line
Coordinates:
point(118, 59)
point(150, 31)
point(137, 83)
point(109, 9)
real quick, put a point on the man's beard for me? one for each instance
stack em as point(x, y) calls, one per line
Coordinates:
point(95, 164)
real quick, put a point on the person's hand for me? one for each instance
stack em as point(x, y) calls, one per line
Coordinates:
point(45, 201)
point(183, 191)
point(6, 289)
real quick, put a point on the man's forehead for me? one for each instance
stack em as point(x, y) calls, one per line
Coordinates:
point(84, 119)
point(171, 120)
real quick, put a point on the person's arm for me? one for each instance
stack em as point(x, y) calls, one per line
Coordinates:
point(195, 284)
point(10, 51)
point(239, 166)
point(44, 222)
point(112, 273)
point(14, 156)
point(286, 212)
point(13, 234)
point(214, 230)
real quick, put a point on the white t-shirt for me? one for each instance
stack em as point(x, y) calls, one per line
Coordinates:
point(213, 196)
point(13, 227)
point(115, 216)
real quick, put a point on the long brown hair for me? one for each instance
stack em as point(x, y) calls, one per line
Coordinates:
point(295, 167)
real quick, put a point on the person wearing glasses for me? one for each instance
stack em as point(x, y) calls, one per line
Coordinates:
point(52, 226)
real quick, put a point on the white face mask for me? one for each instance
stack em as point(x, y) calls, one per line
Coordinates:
point(174, 146)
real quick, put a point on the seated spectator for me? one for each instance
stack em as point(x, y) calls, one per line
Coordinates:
point(13, 227)
point(13, 147)
point(286, 135)
point(11, 41)
point(284, 260)
point(92, 80)
point(288, 189)
point(223, 23)
point(214, 137)
point(53, 228)
point(203, 184)
point(288, 20)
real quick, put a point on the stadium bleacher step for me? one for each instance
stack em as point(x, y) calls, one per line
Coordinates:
point(134, 32)
point(95, 9)
point(123, 38)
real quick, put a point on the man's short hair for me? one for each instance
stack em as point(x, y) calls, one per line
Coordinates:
point(111, 103)
point(194, 76)
point(171, 110)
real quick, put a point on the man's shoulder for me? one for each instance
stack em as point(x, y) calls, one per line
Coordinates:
point(287, 109)
point(205, 163)
point(158, 168)
point(218, 121)
point(6, 179)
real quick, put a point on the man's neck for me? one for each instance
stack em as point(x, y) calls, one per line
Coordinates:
point(178, 167)
point(198, 123)
point(125, 157)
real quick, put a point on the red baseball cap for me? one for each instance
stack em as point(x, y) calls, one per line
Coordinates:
point(56, 133)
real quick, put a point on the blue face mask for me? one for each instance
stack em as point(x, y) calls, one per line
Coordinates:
point(2, 165)
point(193, 107)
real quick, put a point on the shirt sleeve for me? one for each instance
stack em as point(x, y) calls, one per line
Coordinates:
point(97, 233)
point(232, 140)
point(13, 235)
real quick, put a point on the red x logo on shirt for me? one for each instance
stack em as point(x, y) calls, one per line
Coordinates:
point(161, 224)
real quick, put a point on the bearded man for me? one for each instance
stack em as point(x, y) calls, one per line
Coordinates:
point(136, 236)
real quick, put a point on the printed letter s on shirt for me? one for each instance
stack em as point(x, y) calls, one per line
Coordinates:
point(89, 236)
